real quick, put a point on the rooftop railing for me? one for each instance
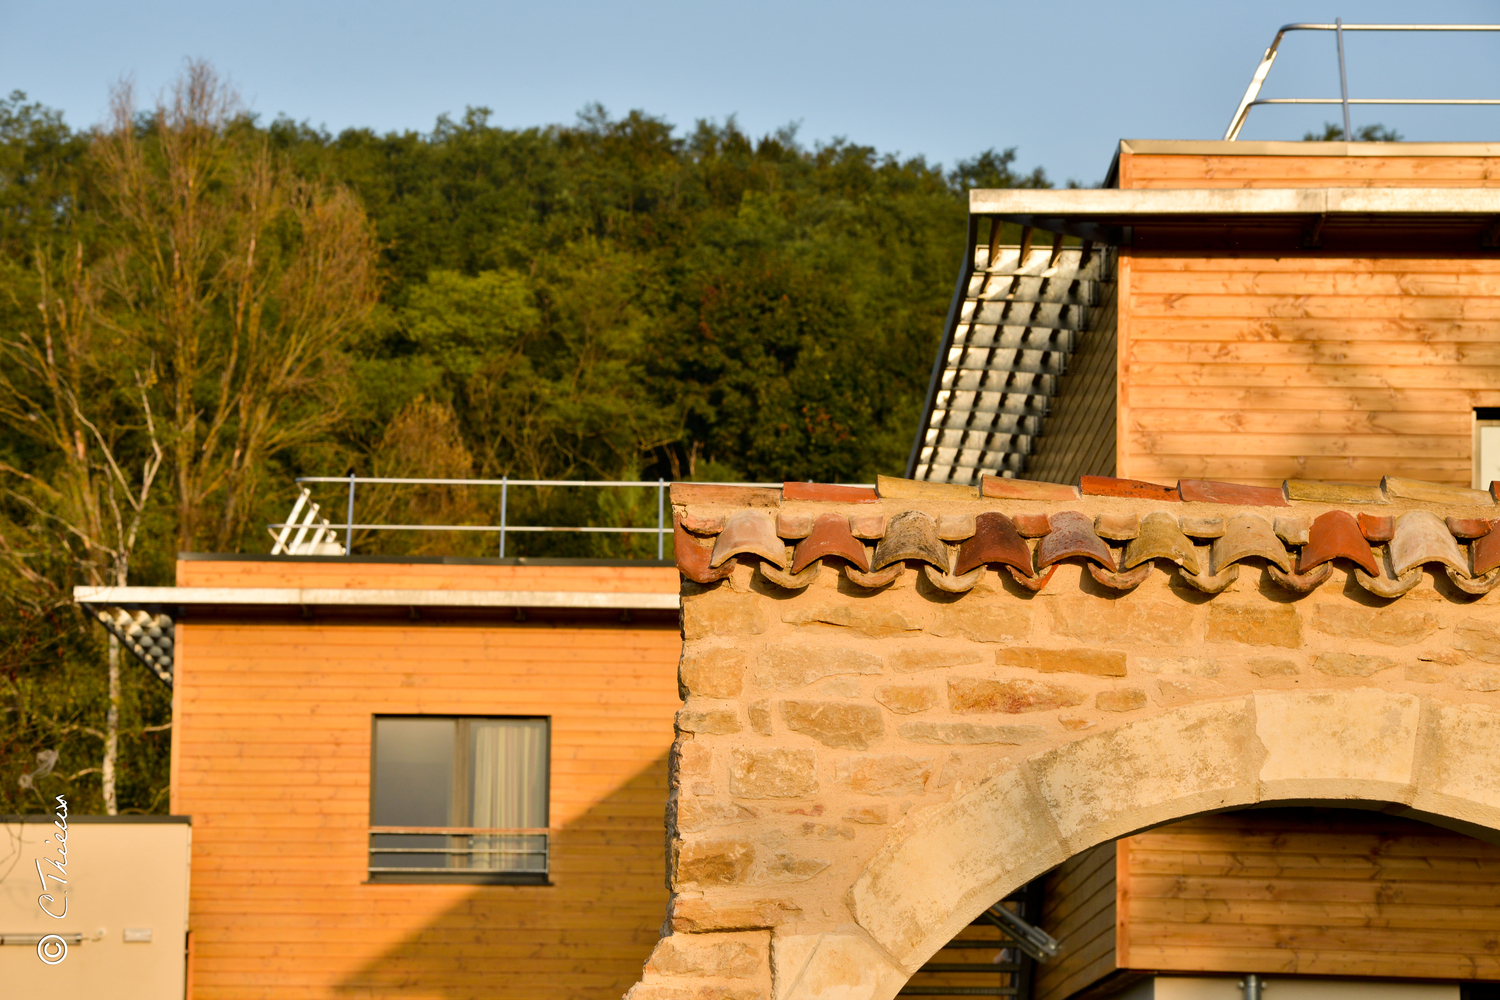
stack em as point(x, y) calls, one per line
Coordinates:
point(1252, 98)
point(307, 530)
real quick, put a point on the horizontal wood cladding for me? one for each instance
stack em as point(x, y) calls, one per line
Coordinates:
point(272, 760)
point(1079, 909)
point(1155, 170)
point(1310, 892)
point(272, 572)
point(1308, 367)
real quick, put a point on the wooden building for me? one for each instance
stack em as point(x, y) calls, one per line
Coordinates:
point(286, 668)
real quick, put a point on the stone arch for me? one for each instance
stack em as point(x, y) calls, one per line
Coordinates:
point(1401, 752)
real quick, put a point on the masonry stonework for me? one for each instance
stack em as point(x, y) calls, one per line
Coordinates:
point(860, 770)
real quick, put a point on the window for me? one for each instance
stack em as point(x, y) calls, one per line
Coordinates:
point(459, 800)
point(1486, 447)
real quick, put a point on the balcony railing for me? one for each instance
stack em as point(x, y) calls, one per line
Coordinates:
point(423, 854)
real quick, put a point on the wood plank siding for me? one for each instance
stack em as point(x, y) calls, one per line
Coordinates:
point(1079, 910)
point(271, 757)
point(1311, 892)
point(1255, 368)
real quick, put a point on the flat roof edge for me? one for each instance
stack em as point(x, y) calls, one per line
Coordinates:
point(1241, 147)
point(375, 597)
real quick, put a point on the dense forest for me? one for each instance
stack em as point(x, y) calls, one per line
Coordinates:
point(197, 307)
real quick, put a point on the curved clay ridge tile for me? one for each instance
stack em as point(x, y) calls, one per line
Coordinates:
point(709, 526)
point(1420, 538)
point(1032, 582)
point(1377, 528)
point(1485, 553)
point(995, 540)
point(1212, 583)
point(953, 583)
point(911, 534)
point(831, 538)
point(1117, 527)
point(1161, 538)
point(1385, 586)
point(693, 558)
point(793, 526)
point(1244, 536)
point(791, 581)
point(1032, 525)
point(1468, 528)
point(1072, 535)
point(1302, 583)
point(1128, 580)
point(874, 581)
point(1332, 535)
point(1475, 584)
point(752, 532)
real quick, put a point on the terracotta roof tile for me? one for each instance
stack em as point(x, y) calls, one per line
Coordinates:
point(1207, 491)
point(1302, 489)
point(1106, 486)
point(828, 493)
point(998, 487)
point(956, 550)
point(1415, 489)
point(892, 488)
point(729, 496)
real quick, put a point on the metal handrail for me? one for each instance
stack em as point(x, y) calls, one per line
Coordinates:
point(541, 837)
point(662, 529)
point(1251, 98)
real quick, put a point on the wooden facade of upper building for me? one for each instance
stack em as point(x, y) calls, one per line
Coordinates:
point(272, 758)
point(1257, 367)
point(1281, 892)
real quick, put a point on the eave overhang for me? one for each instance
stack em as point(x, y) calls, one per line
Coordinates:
point(331, 597)
point(1363, 218)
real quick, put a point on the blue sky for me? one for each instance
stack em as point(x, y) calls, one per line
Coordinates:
point(1060, 81)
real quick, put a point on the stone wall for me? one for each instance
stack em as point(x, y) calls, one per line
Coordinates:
point(858, 771)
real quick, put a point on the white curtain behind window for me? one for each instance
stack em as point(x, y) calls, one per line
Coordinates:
point(510, 766)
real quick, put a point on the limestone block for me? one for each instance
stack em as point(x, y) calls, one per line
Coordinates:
point(1129, 619)
point(711, 673)
point(717, 861)
point(760, 716)
point(962, 733)
point(1097, 662)
point(692, 914)
point(1272, 666)
point(1480, 639)
point(832, 966)
point(861, 615)
point(1123, 700)
point(1427, 673)
point(1191, 759)
point(669, 989)
point(1359, 743)
point(905, 699)
point(742, 955)
point(1351, 664)
point(1258, 624)
point(1457, 776)
point(1179, 666)
point(1483, 680)
point(926, 884)
point(784, 666)
point(982, 617)
point(976, 694)
point(713, 721)
point(868, 815)
point(889, 775)
point(908, 661)
point(834, 723)
point(773, 773)
point(694, 760)
point(1394, 625)
point(696, 813)
point(721, 612)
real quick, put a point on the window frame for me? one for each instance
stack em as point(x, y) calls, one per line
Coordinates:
point(1484, 416)
point(455, 876)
